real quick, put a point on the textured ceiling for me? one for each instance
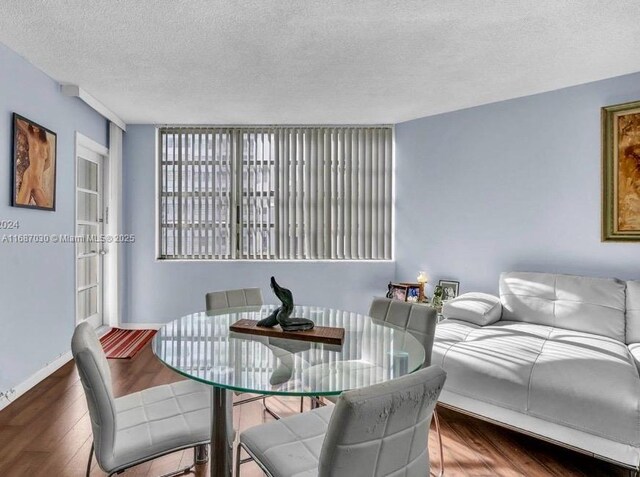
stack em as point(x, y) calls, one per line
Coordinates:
point(321, 61)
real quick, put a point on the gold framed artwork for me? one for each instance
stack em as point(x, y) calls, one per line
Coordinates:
point(621, 172)
point(34, 165)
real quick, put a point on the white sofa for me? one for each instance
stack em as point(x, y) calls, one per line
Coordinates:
point(555, 356)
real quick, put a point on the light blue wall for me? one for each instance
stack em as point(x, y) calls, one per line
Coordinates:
point(513, 185)
point(160, 291)
point(37, 281)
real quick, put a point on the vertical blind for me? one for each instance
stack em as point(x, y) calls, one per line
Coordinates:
point(276, 193)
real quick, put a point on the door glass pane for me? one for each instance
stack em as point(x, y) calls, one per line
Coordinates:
point(89, 235)
point(87, 271)
point(87, 206)
point(87, 247)
point(87, 174)
point(87, 302)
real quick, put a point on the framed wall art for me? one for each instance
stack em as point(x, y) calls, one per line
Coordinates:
point(621, 172)
point(34, 165)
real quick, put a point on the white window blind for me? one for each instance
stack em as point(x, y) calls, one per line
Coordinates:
point(276, 193)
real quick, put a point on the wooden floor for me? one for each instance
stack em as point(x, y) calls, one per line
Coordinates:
point(47, 432)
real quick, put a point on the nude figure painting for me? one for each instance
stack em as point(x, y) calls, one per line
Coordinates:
point(34, 165)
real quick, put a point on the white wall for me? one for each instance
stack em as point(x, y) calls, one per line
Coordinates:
point(157, 292)
point(513, 185)
point(37, 281)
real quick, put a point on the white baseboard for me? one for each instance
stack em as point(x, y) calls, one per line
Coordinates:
point(35, 378)
point(141, 326)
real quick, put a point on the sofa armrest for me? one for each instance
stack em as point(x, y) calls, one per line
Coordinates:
point(479, 308)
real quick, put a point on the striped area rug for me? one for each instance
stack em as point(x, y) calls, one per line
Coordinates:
point(124, 344)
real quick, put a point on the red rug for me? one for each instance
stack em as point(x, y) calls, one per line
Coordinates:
point(125, 344)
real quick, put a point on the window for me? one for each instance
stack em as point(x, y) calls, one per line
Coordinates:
point(275, 193)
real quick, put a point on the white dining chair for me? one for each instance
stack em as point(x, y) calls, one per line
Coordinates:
point(219, 300)
point(379, 430)
point(141, 426)
point(420, 321)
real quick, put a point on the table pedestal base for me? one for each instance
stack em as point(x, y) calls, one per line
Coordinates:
point(221, 461)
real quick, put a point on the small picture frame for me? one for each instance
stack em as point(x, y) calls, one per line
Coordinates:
point(450, 289)
point(413, 293)
point(398, 291)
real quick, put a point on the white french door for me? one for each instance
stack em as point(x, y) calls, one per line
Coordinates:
point(90, 214)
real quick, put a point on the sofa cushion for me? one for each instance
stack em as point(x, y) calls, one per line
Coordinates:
point(579, 380)
point(633, 312)
point(588, 382)
point(591, 305)
point(491, 363)
point(478, 308)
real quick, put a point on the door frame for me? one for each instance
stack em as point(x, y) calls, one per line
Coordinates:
point(110, 305)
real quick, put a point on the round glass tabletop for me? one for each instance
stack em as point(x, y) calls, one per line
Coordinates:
point(201, 347)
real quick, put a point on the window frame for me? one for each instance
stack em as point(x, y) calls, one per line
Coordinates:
point(235, 181)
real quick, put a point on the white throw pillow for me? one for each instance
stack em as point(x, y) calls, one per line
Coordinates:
point(479, 308)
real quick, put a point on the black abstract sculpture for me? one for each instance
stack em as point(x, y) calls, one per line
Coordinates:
point(282, 314)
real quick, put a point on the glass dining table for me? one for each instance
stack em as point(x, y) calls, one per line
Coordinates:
point(201, 347)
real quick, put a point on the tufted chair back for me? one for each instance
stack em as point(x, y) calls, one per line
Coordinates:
point(419, 320)
point(218, 300)
point(383, 429)
point(96, 380)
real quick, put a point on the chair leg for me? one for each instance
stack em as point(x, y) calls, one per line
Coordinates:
point(275, 414)
point(201, 454)
point(437, 422)
point(186, 470)
point(90, 459)
point(238, 462)
point(316, 402)
point(268, 409)
point(247, 400)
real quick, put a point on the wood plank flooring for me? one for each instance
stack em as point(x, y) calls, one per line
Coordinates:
point(47, 432)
